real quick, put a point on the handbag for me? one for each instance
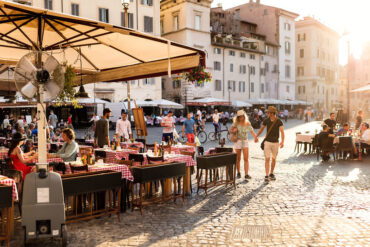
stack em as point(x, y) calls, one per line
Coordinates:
point(233, 136)
point(268, 132)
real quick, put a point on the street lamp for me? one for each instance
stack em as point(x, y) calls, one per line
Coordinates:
point(125, 4)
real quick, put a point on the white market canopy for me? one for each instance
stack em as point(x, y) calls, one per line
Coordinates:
point(163, 103)
point(239, 104)
point(208, 102)
point(362, 89)
point(109, 53)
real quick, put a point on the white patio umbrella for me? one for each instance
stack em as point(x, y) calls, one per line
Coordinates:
point(208, 102)
point(239, 104)
point(362, 89)
point(163, 103)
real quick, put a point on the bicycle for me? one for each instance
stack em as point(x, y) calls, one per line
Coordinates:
point(201, 134)
point(222, 133)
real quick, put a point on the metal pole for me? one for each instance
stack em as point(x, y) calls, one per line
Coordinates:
point(128, 83)
point(348, 89)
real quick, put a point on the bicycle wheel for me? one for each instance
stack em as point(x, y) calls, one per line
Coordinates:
point(202, 136)
point(212, 136)
point(183, 139)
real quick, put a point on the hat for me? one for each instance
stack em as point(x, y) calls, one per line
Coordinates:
point(271, 109)
point(240, 113)
point(18, 137)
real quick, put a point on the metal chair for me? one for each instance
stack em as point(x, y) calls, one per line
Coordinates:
point(136, 158)
point(155, 160)
point(345, 145)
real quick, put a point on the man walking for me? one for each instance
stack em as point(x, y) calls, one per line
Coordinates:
point(102, 129)
point(286, 115)
point(123, 127)
point(271, 141)
point(53, 119)
point(188, 128)
point(168, 124)
point(216, 120)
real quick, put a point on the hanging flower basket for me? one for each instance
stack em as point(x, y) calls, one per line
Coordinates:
point(197, 76)
point(67, 95)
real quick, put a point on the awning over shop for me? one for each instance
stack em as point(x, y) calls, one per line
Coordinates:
point(362, 89)
point(163, 103)
point(239, 104)
point(108, 53)
point(208, 102)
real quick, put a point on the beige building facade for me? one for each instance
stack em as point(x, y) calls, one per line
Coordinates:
point(317, 65)
point(143, 16)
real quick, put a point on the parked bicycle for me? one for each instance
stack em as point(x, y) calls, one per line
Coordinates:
point(222, 133)
point(201, 134)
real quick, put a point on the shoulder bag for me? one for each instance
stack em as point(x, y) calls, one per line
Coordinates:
point(268, 132)
point(233, 136)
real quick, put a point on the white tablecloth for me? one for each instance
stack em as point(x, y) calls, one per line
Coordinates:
point(305, 138)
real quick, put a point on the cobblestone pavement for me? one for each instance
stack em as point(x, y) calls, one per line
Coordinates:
point(310, 204)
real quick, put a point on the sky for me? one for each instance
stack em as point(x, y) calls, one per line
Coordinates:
point(351, 16)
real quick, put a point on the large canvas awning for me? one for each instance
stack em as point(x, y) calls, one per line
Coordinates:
point(108, 53)
point(362, 89)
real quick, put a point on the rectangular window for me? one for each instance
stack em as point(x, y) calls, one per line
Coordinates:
point(304, 37)
point(287, 47)
point(299, 90)
point(252, 87)
point(149, 81)
point(252, 56)
point(240, 86)
point(301, 53)
point(275, 68)
point(304, 89)
point(287, 88)
point(48, 4)
point(104, 15)
point(262, 88)
point(197, 21)
point(242, 54)
point(298, 37)
point(234, 86)
point(163, 82)
point(217, 50)
point(148, 24)
point(75, 9)
point(147, 2)
point(231, 53)
point(267, 67)
point(176, 83)
point(162, 26)
point(130, 20)
point(243, 69)
point(217, 65)
point(252, 70)
point(231, 67)
point(287, 26)
point(218, 86)
point(287, 71)
point(243, 86)
point(175, 23)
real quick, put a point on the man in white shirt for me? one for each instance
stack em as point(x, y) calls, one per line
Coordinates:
point(216, 119)
point(123, 127)
point(6, 122)
point(168, 124)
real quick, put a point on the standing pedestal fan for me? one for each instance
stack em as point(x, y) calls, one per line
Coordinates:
point(39, 76)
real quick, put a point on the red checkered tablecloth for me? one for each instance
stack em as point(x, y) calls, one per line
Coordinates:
point(178, 149)
point(134, 144)
point(126, 173)
point(10, 182)
point(176, 158)
point(113, 155)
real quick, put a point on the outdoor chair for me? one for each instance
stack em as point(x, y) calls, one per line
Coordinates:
point(18, 178)
point(298, 144)
point(327, 147)
point(223, 150)
point(136, 158)
point(200, 150)
point(345, 145)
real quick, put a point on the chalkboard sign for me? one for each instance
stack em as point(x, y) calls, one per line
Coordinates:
point(140, 124)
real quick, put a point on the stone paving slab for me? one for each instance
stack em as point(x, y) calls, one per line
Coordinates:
point(310, 204)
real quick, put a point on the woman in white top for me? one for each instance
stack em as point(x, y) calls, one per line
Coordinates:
point(241, 127)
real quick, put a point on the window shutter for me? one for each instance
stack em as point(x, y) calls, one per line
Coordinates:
point(142, 2)
point(150, 2)
point(131, 20)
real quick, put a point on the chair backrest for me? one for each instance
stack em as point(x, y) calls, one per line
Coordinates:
point(14, 174)
point(128, 163)
point(345, 142)
point(327, 144)
point(154, 160)
point(191, 144)
point(183, 152)
point(143, 141)
point(79, 168)
point(100, 154)
point(200, 150)
point(223, 150)
point(136, 157)
point(58, 166)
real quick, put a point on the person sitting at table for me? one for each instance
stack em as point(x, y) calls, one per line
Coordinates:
point(57, 137)
point(325, 141)
point(344, 130)
point(19, 158)
point(70, 148)
point(365, 138)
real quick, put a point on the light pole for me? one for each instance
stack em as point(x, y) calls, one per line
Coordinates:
point(125, 4)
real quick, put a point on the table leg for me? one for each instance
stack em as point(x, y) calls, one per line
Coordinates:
point(187, 184)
